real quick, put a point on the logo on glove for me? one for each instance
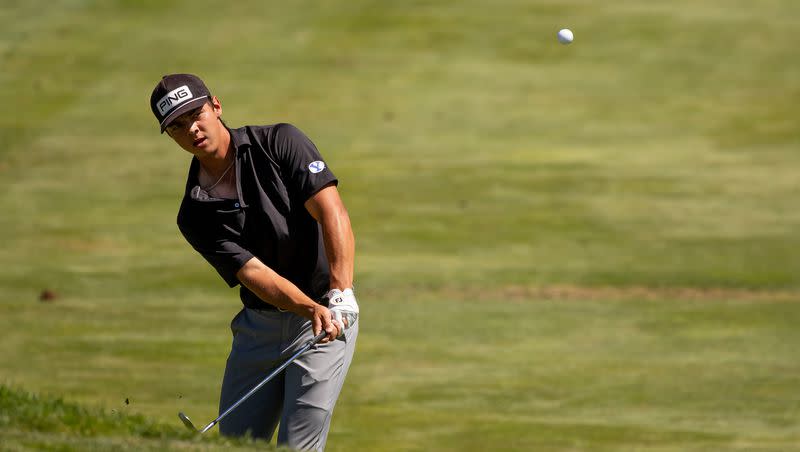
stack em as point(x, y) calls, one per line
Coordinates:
point(344, 308)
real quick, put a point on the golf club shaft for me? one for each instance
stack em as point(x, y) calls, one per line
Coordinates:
point(269, 377)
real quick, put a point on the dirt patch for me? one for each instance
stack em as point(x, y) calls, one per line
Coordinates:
point(567, 292)
point(644, 293)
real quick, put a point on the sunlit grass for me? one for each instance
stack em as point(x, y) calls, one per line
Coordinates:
point(584, 247)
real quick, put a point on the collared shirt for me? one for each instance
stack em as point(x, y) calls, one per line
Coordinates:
point(277, 170)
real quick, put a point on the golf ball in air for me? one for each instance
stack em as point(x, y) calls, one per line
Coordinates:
point(565, 36)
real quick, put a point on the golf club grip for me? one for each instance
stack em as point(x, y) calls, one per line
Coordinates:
point(319, 337)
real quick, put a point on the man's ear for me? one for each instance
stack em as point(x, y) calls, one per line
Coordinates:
point(216, 105)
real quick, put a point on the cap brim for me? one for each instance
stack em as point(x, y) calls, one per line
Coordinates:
point(192, 104)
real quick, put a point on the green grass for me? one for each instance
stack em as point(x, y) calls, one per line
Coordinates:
point(32, 422)
point(447, 373)
point(647, 171)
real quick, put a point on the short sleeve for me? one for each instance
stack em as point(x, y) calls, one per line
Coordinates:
point(225, 255)
point(306, 170)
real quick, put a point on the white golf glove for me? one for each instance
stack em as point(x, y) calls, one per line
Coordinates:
point(342, 305)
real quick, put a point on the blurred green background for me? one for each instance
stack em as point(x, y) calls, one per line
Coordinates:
point(583, 247)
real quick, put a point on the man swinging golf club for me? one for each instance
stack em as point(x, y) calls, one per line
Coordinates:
point(262, 207)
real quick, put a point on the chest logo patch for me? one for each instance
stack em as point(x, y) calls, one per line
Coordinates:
point(316, 167)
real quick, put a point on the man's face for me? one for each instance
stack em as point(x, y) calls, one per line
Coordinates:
point(198, 131)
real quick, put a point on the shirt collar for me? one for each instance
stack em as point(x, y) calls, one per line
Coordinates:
point(239, 137)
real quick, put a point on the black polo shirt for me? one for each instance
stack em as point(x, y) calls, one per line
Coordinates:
point(277, 169)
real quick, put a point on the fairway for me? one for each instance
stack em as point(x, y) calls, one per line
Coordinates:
point(559, 247)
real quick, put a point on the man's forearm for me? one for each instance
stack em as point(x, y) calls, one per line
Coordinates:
point(278, 291)
point(327, 208)
point(274, 289)
point(339, 247)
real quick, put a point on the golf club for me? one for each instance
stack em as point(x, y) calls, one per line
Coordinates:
point(303, 349)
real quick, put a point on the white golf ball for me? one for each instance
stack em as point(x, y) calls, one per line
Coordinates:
point(565, 36)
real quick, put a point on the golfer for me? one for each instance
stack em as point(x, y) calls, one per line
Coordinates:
point(262, 207)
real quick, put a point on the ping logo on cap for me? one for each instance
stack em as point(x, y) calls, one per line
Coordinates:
point(174, 98)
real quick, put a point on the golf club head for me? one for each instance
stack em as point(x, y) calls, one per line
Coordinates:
point(185, 419)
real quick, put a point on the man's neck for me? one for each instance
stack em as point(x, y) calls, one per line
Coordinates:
point(217, 162)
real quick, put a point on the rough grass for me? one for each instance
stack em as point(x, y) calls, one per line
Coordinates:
point(34, 422)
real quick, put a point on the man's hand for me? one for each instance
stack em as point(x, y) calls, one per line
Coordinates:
point(322, 320)
point(343, 307)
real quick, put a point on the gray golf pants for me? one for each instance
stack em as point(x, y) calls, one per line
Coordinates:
point(301, 397)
